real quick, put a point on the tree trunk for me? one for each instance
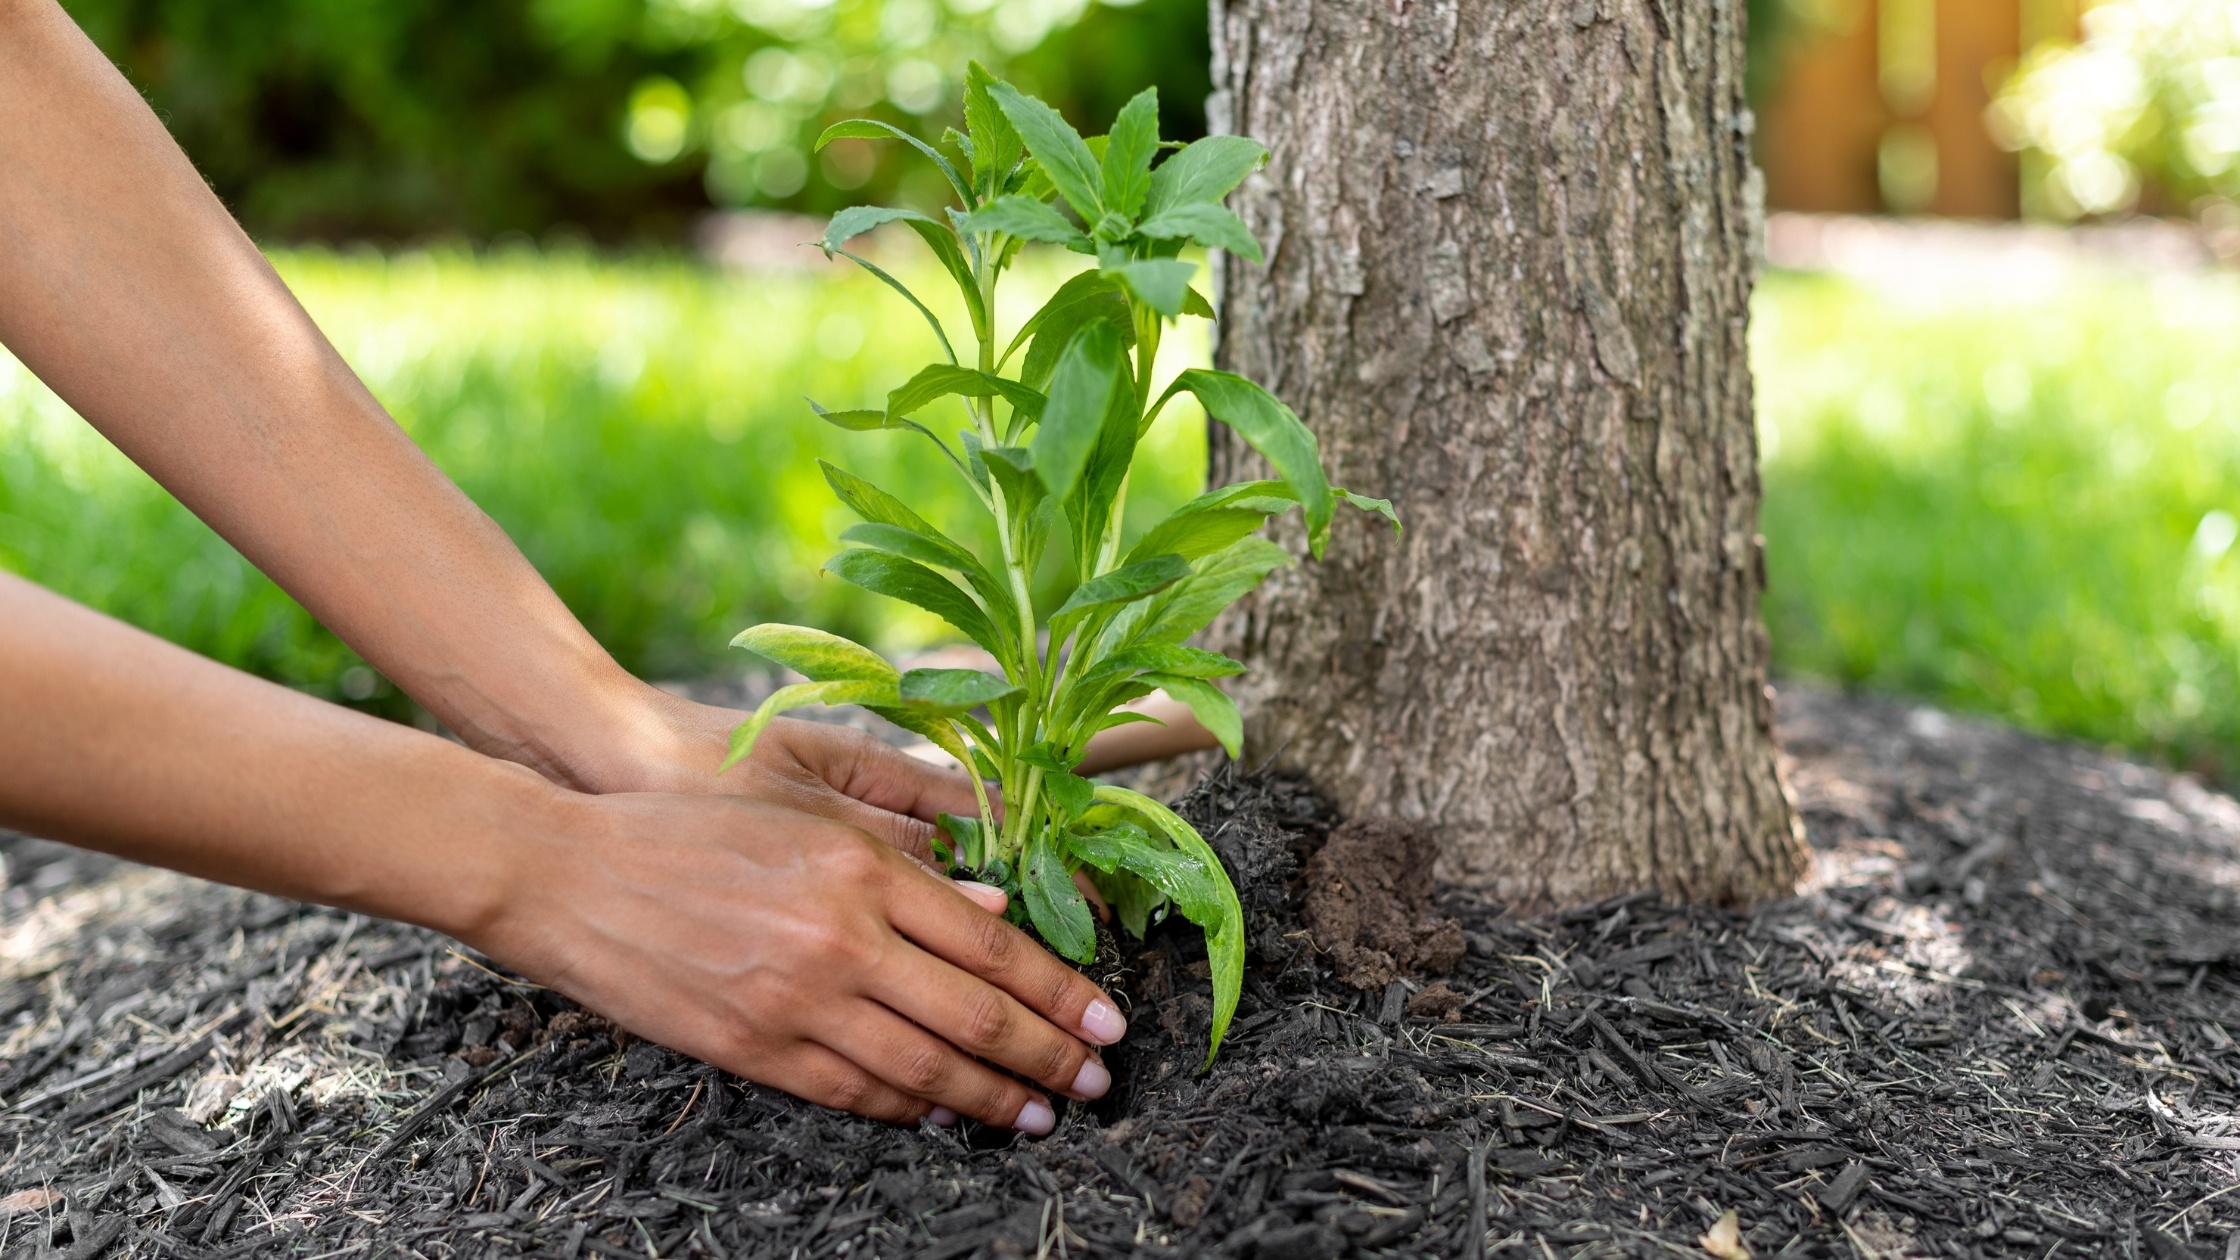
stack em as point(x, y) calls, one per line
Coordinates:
point(1510, 255)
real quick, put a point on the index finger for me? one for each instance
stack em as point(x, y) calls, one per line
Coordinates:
point(970, 938)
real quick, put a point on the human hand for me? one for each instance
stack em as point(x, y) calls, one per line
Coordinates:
point(665, 743)
point(801, 953)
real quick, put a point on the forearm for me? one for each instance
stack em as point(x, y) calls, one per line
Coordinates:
point(124, 743)
point(126, 286)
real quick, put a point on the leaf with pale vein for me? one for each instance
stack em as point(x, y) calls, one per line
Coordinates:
point(1224, 920)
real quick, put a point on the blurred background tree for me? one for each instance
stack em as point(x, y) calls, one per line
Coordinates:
point(619, 119)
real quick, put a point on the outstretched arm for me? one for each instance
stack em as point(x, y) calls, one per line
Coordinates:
point(113, 252)
point(127, 287)
point(793, 950)
point(774, 928)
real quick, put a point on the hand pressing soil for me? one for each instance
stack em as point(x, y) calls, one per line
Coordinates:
point(1369, 904)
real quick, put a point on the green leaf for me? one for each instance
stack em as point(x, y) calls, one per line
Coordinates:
point(1204, 171)
point(1269, 497)
point(953, 690)
point(1194, 303)
point(913, 583)
point(1044, 755)
point(1124, 585)
point(995, 142)
point(1033, 181)
point(925, 549)
point(983, 764)
point(1177, 876)
point(940, 333)
point(928, 545)
point(1188, 606)
point(1209, 225)
point(1012, 468)
point(856, 220)
point(975, 460)
point(873, 129)
point(1081, 394)
point(1223, 920)
point(962, 143)
point(1058, 148)
point(1056, 905)
point(864, 421)
point(939, 380)
point(1069, 791)
point(873, 504)
point(801, 695)
point(1272, 429)
point(950, 251)
point(1159, 283)
point(1128, 151)
point(1382, 507)
point(1025, 218)
point(857, 421)
point(1089, 508)
point(1212, 707)
point(971, 843)
point(1171, 658)
point(1105, 697)
point(1194, 534)
point(814, 654)
point(1132, 900)
point(1089, 298)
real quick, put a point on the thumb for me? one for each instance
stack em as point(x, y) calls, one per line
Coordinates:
point(884, 776)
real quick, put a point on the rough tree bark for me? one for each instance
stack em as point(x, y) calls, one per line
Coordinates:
point(1510, 255)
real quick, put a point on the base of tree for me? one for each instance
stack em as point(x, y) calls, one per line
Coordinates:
point(2002, 1018)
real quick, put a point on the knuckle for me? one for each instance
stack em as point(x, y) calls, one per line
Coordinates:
point(841, 949)
point(849, 1091)
point(921, 1069)
point(995, 947)
point(984, 1021)
point(1061, 993)
point(1001, 1103)
point(855, 858)
point(1059, 1065)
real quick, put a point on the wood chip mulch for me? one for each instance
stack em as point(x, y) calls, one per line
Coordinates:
point(2001, 1022)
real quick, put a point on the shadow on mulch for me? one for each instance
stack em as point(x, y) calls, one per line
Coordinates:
point(2000, 1024)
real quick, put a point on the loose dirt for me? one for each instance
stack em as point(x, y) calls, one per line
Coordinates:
point(2001, 1022)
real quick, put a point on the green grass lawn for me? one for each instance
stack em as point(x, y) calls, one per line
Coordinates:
point(2022, 505)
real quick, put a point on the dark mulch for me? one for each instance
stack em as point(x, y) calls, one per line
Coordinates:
point(2001, 1024)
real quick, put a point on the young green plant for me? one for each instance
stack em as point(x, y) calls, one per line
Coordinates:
point(1055, 412)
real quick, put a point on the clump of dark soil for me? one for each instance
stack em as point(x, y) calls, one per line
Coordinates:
point(2002, 1022)
point(1369, 904)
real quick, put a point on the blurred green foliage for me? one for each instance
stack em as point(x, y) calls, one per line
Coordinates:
point(2012, 498)
point(618, 119)
point(637, 426)
point(2145, 105)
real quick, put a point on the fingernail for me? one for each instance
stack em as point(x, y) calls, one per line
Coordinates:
point(941, 1117)
point(986, 896)
point(1036, 1118)
point(1102, 1024)
point(1092, 1080)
